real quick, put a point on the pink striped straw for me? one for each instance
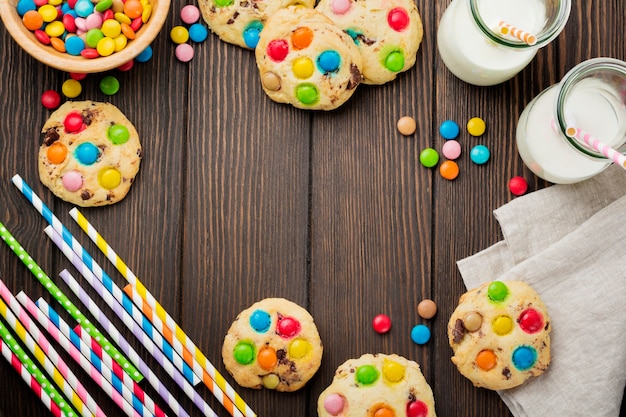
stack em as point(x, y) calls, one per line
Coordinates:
point(75, 354)
point(47, 356)
point(613, 154)
point(30, 380)
point(508, 29)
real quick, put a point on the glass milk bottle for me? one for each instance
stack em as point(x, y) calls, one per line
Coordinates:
point(575, 129)
point(486, 42)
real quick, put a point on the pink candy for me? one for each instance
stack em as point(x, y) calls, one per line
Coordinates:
point(340, 6)
point(72, 181)
point(93, 21)
point(184, 52)
point(451, 149)
point(334, 404)
point(190, 14)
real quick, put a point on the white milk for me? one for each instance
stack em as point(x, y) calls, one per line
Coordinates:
point(597, 109)
point(474, 58)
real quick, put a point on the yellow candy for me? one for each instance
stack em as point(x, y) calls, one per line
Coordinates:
point(502, 325)
point(120, 42)
point(55, 2)
point(122, 18)
point(111, 28)
point(71, 88)
point(55, 29)
point(179, 34)
point(476, 126)
point(270, 381)
point(393, 371)
point(48, 12)
point(147, 12)
point(303, 67)
point(105, 46)
point(109, 178)
point(299, 348)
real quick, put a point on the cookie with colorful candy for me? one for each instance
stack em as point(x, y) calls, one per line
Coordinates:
point(377, 385)
point(388, 33)
point(241, 21)
point(304, 59)
point(500, 335)
point(273, 344)
point(90, 153)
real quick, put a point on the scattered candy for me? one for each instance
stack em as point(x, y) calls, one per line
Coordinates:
point(145, 55)
point(71, 88)
point(127, 66)
point(184, 52)
point(449, 170)
point(427, 309)
point(381, 323)
point(420, 334)
point(78, 76)
point(50, 99)
point(190, 14)
point(406, 125)
point(451, 149)
point(179, 34)
point(476, 126)
point(109, 85)
point(518, 186)
point(480, 154)
point(198, 33)
point(449, 129)
point(429, 157)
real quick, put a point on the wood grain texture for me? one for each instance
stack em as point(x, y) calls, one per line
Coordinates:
point(240, 198)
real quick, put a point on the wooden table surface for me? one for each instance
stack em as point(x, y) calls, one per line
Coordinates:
point(239, 198)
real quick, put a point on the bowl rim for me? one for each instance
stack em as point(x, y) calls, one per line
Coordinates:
point(70, 63)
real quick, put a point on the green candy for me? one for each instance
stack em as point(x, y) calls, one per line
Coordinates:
point(395, 61)
point(109, 85)
point(118, 134)
point(307, 94)
point(497, 291)
point(366, 374)
point(429, 157)
point(244, 353)
point(93, 36)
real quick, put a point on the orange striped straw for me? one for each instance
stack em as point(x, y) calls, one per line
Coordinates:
point(508, 29)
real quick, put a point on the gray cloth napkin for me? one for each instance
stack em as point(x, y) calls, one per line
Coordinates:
point(569, 243)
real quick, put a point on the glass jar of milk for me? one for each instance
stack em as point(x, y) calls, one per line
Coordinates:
point(591, 98)
point(478, 47)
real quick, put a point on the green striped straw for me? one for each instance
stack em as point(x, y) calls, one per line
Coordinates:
point(66, 303)
point(28, 363)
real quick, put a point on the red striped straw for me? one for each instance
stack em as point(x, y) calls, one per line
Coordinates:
point(30, 379)
point(508, 29)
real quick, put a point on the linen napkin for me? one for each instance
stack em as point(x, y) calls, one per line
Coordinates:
point(569, 243)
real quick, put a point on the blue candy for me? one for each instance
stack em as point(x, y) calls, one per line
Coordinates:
point(420, 334)
point(449, 129)
point(251, 34)
point(329, 61)
point(74, 45)
point(87, 153)
point(198, 33)
point(260, 321)
point(480, 154)
point(524, 357)
point(24, 6)
point(145, 55)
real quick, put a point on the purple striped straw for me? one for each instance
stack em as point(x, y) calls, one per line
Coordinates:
point(156, 353)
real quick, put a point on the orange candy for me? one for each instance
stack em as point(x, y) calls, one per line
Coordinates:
point(57, 152)
point(133, 9)
point(486, 360)
point(449, 170)
point(384, 412)
point(128, 31)
point(58, 44)
point(32, 20)
point(301, 37)
point(267, 358)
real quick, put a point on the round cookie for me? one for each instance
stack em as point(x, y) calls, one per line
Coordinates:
point(500, 335)
point(387, 32)
point(306, 60)
point(90, 153)
point(273, 344)
point(377, 385)
point(241, 21)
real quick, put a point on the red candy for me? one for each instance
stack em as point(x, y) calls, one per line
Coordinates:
point(77, 75)
point(287, 327)
point(73, 122)
point(518, 185)
point(89, 53)
point(136, 23)
point(278, 50)
point(42, 37)
point(127, 66)
point(530, 320)
point(108, 14)
point(398, 19)
point(50, 99)
point(416, 408)
point(69, 23)
point(381, 323)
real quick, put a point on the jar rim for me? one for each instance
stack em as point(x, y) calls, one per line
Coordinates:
point(543, 38)
point(577, 73)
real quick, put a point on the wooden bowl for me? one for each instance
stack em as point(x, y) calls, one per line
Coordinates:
point(70, 63)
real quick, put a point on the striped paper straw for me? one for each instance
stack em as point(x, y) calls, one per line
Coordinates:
point(610, 153)
point(52, 363)
point(166, 320)
point(93, 368)
point(31, 374)
point(117, 300)
point(166, 365)
point(47, 282)
point(49, 285)
point(508, 29)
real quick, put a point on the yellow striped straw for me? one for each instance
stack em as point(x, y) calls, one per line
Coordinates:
point(223, 387)
point(508, 29)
